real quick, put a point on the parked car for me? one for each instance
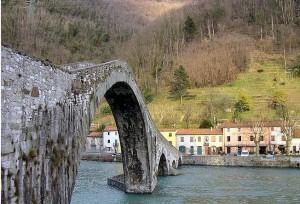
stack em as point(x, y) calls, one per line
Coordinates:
point(244, 153)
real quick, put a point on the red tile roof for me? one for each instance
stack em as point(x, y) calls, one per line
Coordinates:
point(110, 128)
point(95, 134)
point(276, 123)
point(296, 133)
point(168, 130)
point(201, 131)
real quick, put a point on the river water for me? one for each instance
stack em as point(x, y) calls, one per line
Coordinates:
point(196, 184)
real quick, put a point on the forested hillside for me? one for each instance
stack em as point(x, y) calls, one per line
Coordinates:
point(213, 40)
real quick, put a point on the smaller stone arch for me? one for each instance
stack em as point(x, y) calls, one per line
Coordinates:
point(174, 164)
point(179, 161)
point(163, 166)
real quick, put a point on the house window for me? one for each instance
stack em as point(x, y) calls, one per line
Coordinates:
point(213, 138)
point(182, 149)
point(283, 138)
point(239, 129)
point(170, 134)
point(228, 138)
point(228, 150)
point(272, 138)
point(191, 139)
point(181, 139)
point(199, 139)
point(108, 133)
point(108, 141)
point(261, 138)
point(251, 138)
point(192, 150)
point(220, 138)
point(116, 133)
point(228, 129)
point(170, 142)
point(206, 139)
point(239, 138)
point(272, 128)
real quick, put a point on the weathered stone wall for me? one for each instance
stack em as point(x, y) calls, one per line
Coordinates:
point(46, 113)
point(36, 149)
point(251, 161)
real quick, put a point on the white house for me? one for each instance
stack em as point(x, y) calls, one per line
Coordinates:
point(94, 142)
point(295, 147)
point(111, 141)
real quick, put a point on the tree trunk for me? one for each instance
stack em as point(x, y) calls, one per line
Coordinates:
point(257, 149)
point(208, 29)
point(288, 144)
point(284, 57)
point(156, 80)
point(213, 29)
point(273, 35)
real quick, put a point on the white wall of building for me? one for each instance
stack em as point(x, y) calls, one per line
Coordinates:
point(94, 144)
point(295, 144)
point(110, 138)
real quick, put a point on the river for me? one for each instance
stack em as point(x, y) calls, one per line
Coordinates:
point(195, 184)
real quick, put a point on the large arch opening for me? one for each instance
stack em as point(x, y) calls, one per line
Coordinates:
point(132, 134)
point(162, 167)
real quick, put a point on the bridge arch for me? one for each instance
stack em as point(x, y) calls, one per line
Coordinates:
point(162, 166)
point(132, 132)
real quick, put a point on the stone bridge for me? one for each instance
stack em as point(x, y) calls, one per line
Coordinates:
point(46, 114)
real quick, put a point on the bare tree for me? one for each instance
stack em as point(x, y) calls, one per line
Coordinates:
point(257, 133)
point(287, 127)
point(187, 116)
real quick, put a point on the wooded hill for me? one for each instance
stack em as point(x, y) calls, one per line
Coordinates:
point(213, 40)
point(155, 37)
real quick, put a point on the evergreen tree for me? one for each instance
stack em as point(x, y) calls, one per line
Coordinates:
point(180, 83)
point(189, 29)
point(242, 105)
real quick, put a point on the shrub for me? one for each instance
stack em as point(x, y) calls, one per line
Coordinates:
point(105, 110)
point(205, 123)
point(260, 70)
point(278, 100)
point(242, 105)
point(101, 128)
point(148, 95)
point(295, 67)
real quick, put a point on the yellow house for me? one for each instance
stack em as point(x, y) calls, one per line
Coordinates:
point(170, 135)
